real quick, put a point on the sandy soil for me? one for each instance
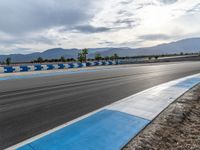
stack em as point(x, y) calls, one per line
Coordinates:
point(176, 128)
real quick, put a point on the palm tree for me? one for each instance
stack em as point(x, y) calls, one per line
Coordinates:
point(8, 61)
point(115, 56)
point(40, 59)
point(62, 59)
point(107, 58)
point(80, 57)
point(156, 57)
point(98, 57)
point(111, 57)
point(85, 52)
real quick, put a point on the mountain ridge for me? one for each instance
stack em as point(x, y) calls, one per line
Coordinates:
point(190, 45)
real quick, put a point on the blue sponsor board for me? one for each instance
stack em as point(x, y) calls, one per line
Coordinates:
point(88, 64)
point(103, 63)
point(96, 63)
point(70, 65)
point(61, 66)
point(24, 68)
point(8, 69)
point(80, 65)
point(38, 67)
point(50, 67)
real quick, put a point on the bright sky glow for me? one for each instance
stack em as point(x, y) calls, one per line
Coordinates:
point(33, 25)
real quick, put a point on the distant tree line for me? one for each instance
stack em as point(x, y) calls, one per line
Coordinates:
point(82, 57)
point(61, 59)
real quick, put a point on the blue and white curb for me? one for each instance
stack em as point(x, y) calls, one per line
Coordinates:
point(111, 127)
point(38, 67)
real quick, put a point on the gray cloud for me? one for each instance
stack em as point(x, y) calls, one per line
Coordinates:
point(107, 43)
point(126, 22)
point(154, 37)
point(126, 2)
point(145, 4)
point(125, 13)
point(19, 50)
point(22, 16)
point(168, 1)
point(27, 40)
point(122, 44)
point(196, 8)
point(90, 29)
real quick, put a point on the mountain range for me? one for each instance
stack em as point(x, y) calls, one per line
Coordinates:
point(191, 45)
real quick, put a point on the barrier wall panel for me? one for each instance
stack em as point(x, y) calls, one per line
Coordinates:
point(16, 69)
point(8, 69)
point(61, 66)
point(56, 66)
point(1, 69)
point(49, 67)
point(71, 65)
point(31, 68)
point(38, 67)
point(24, 68)
point(44, 67)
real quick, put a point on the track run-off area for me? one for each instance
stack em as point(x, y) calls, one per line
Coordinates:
point(32, 105)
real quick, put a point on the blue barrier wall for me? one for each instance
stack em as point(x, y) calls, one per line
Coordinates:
point(9, 69)
point(70, 65)
point(50, 67)
point(24, 68)
point(38, 67)
point(61, 66)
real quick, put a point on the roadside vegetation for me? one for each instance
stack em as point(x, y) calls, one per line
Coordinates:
point(83, 57)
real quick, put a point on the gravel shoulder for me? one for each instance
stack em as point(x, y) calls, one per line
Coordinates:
point(176, 128)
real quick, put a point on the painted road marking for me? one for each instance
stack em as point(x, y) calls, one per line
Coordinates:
point(105, 126)
point(119, 121)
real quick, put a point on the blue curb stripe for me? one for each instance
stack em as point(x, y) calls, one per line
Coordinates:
point(104, 130)
point(189, 83)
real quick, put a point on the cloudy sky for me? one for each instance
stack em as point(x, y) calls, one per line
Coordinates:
point(36, 25)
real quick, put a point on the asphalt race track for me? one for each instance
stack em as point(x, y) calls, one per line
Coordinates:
point(31, 106)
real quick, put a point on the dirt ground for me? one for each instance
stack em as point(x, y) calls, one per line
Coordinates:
point(176, 128)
